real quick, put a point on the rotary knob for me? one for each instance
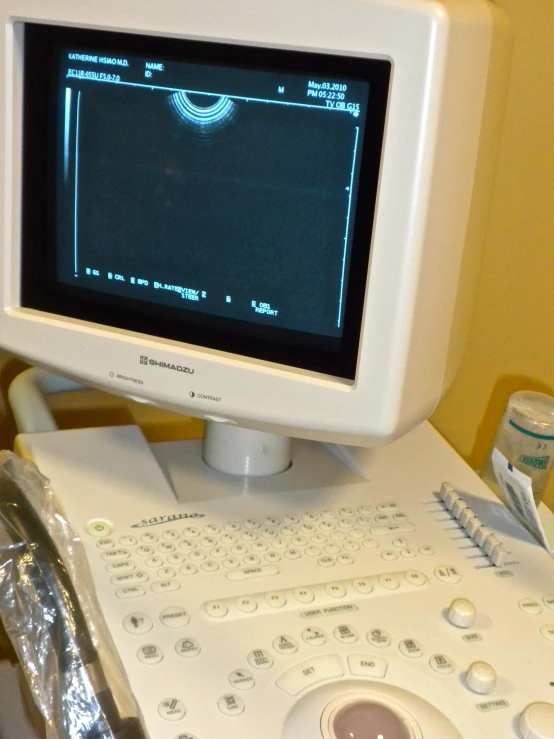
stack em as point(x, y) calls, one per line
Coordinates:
point(537, 721)
point(481, 678)
point(462, 613)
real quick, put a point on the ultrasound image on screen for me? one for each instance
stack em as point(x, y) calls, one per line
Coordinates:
point(228, 192)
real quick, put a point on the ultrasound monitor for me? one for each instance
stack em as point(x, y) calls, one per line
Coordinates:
point(266, 215)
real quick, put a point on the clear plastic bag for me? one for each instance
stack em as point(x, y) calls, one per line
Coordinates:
point(62, 643)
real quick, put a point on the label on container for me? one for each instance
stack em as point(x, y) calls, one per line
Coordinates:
point(518, 494)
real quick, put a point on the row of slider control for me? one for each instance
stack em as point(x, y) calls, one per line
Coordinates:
point(480, 534)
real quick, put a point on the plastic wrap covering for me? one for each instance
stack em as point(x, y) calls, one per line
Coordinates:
point(61, 640)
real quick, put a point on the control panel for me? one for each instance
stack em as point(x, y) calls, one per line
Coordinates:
point(413, 606)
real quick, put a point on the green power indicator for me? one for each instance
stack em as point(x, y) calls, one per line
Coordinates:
point(552, 685)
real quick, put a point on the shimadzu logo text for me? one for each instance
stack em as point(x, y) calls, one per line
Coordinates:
point(171, 518)
point(166, 365)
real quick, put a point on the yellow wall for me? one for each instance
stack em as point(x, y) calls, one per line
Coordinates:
point(511, 344)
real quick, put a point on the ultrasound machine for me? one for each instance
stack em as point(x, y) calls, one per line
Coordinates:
point(269, 216)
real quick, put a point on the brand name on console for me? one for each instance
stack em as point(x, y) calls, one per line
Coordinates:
point(167, 365)
point(156, 520)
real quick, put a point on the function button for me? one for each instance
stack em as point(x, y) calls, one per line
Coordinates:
point(362, 585)
point(416, 578)
point(242, 680)
point(365, 510)
point(187, 647)
point(364, 520)
point(363, 666)
point(246, 604)
point(309, 673)
point(389, 555)
point(462, 613)
point(465, 515)
point(481, 535)
point(337, 536)
point(98, 528)
point(447, 574)
point(351, 546)
point(105, 544)
point(187, 545)
point(249, 573)
point(390, 582)
point(260, 659)
point(188, 569)
point(379, 638)
point(473, 525)
point(347, 512)
point(312, 551)
point(335, 589)
point(176, 558)
point(137, 623)
point(388, 507)
point(197, 556)
point(499, 555)
point(165, 586)
point(392, 528)
point(426, 550)
point(130, 591)
point(530, 606)
point(154, 561)
point(345, 559)
point(356, 533)
point(191, 532)
point(332, 548)
point(150, 654)
point(252, 559)
point(166, 547)
point(445, 491)
point(411, 648)
point(548, 601)
point(144, 550)
point(481, 678)
point(285, 644)
point(128, 578)
point(400, 517)
point(170, 535)
point(370, 543)
point(547, 632)
point(149, 538)
point(166, 573)
point(172, 709)
point(326, 561)
point(492, 542)
point(303, 595)
point(450, 499)
point(216, 609)
point(400, 542)
point(118, 567)
point(115, 555)
point(408, 553)
point(211, 529)
point(382, 518)
point(231, 705)
point(292, 553)
point(275, 599)
point(345, 634)
point(328, 514)
point(271, 557)
point(314, 636)
point(174, 617)
point(232, 527)
point(271, 521)
point(251, 523)
point(442, 664)
point(458, 508)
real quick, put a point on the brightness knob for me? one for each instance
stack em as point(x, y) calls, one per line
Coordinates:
point(537, 721)
point(462, 613)
point(481, 678)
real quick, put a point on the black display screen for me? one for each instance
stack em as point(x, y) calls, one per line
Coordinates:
point(216, 195)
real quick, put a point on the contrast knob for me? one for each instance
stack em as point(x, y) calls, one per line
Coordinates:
point(537, 721)
point(481, 678)
point(462, 613)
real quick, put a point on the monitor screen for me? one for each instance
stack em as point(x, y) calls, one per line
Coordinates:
point(217, 195)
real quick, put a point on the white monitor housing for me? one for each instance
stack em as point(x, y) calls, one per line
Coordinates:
point(445, 67)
